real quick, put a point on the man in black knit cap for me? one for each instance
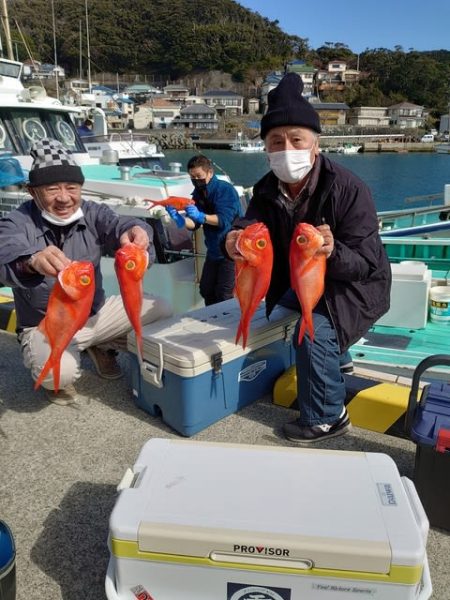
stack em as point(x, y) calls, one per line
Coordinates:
point(304, 186)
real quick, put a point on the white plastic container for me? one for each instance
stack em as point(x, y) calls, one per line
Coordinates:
point(210, 521)
point(440, 304)
point(411, 282)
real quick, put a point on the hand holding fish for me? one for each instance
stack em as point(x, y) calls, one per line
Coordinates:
point(231, 244)
point(136, 235)
point(49, 261)
point(328, 240)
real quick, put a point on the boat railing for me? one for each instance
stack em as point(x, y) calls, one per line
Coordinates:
point(426, 198)
point(434, 252)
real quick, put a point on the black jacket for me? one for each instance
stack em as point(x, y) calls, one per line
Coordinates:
point(358, 277)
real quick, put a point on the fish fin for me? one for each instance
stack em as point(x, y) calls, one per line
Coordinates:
point(241, 332)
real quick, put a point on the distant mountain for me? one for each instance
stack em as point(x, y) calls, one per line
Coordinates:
point(166, 40)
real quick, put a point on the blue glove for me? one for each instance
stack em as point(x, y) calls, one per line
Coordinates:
point(196, 215)
point(175, 215)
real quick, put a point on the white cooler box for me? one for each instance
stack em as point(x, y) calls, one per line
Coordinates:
point(193, 373)
point(209, 521)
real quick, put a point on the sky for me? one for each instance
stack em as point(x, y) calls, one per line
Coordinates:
point(362, 24)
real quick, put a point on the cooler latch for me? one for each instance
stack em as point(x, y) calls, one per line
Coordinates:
point(443, 441)
point(216, 362)
point(153, 373)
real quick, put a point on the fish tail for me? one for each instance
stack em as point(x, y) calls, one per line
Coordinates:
point(43, 374)
point(242, 331)
point(306, 326)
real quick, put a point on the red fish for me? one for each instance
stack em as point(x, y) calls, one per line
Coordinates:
point(253, 274)
point(131, 263)
point(307, 271)
point(177, 202)
point(69, 306)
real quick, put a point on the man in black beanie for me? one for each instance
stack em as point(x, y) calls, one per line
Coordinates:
point(43, 236)
point(304, 186)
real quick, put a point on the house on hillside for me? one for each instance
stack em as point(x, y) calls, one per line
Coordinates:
point(368, 116)
point(225, 102)
point(176, 91)
point(331, 113)
point(337, 76)
point(156, 113)
point(406, 115)
point(198, 118)
point(306, 72)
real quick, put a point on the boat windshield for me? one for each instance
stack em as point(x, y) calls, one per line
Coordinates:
point(20, 127)
point(10, 69)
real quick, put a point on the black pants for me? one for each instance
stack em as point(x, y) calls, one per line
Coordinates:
point(217, 280)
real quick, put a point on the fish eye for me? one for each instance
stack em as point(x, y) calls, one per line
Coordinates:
point(301, 239)
point(130, 265)
point(261, 244)
point(85, 280)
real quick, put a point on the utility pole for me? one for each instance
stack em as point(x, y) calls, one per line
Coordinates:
point(5, 22)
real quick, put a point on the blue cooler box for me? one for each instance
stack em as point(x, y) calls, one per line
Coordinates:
point(193, 373)
point(431, 432)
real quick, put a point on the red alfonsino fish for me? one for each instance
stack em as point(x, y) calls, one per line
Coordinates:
point(307, 273)
point(177, 202)
point(131, 263)
point(252, 274)
point(68, 309)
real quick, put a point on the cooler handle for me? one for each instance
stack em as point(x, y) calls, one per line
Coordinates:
point(153, 373)
point(417, 507)
point(427, 588)
point(426, 363)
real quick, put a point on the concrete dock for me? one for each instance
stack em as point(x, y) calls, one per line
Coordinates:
point(60, 467)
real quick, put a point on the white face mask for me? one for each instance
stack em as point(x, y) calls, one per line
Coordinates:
point(291, 166)
point(58, 221)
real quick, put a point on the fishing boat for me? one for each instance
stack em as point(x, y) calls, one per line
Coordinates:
point(346, 148)
point(430, 219)
point(120, 147)
point(443, 148)
point(243, 144)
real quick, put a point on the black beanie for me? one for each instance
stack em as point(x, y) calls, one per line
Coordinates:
point(52, 163)
point(287, 106)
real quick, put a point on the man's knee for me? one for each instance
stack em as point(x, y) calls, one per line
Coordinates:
point(155, 308)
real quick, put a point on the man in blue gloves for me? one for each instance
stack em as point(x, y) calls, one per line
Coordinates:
point(216, 206)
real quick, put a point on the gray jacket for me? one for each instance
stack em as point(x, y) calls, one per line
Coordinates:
point(24, 232)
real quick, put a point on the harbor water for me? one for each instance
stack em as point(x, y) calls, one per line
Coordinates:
point(392, 177)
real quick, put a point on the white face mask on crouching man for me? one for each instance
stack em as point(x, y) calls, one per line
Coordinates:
point(291, 166)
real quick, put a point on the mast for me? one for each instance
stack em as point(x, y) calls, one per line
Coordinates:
point(81, 54)
point(5, 22)
point(54, 50)
point(88, 48)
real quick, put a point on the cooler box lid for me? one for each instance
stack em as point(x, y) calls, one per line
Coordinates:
point(188, 342)
point(270, 506)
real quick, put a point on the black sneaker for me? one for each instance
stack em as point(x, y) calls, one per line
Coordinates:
point(348, 368)
point(304, 434)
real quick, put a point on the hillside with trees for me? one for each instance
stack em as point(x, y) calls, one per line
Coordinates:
point(167, 40)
